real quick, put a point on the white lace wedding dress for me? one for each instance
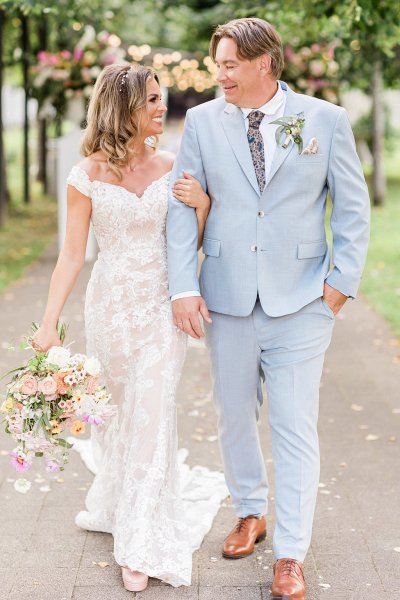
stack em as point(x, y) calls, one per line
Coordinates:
point(157, 509)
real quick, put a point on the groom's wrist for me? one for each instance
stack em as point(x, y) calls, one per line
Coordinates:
point(185, 295)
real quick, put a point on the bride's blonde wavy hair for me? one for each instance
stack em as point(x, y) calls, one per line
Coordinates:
point(113, 117)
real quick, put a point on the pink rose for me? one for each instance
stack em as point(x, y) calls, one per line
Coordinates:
point(48, 386)
point(29, 385)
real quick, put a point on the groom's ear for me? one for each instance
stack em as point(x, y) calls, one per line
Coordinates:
point(265, 63)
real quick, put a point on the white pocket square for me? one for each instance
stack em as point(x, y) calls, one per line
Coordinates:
point(312, 147)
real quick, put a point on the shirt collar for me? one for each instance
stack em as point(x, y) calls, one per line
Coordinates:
point(269, 108)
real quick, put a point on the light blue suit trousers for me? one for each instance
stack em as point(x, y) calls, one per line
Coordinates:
point(290, 352)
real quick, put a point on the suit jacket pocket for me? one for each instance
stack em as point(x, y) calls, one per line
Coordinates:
point(211, 247)
point(311, 249)
point(309, 159)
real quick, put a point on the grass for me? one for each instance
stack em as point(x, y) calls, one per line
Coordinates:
point(26, 234)
point(29, 229)
point(381, 280)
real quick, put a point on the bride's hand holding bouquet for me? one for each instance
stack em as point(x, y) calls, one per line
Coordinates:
point(54, 392)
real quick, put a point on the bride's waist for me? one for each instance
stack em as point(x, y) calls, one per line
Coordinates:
point(142, 256)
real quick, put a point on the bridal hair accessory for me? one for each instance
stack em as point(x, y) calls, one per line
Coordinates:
point(312, 147)
point(123, 80)
point(291, 127)
point(52, 393)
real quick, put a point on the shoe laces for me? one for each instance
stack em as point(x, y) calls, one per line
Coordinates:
point(291, 568)
point(241, 524)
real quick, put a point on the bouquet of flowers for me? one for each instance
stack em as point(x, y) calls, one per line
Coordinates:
point(54, 392)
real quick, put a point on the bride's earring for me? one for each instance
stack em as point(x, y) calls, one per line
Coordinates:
point(151, 141)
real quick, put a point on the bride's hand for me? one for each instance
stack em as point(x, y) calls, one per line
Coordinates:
point(190, 192)
point(45, 338)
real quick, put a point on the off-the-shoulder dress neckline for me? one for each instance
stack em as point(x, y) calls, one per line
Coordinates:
point(121, 187)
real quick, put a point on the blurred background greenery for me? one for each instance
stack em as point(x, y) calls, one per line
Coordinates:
point(51, 54)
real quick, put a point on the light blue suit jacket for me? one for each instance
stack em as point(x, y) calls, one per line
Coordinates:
point(273, 243)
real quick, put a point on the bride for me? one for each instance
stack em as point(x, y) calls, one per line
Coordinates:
point(121, 187)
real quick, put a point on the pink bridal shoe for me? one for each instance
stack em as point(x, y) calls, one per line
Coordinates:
point(134, 581)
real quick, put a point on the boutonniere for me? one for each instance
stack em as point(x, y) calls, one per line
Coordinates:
point(291, 127)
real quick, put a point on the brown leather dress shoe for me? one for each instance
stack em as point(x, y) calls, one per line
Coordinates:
point(288, 581)
point(242, 539)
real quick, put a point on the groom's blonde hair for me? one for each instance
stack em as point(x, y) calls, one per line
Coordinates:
point(254, 37)
point(113, 117)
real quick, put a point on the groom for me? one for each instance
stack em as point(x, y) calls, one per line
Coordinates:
point(266, 276)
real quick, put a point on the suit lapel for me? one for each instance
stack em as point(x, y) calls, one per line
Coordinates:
point(235, 130)
point(281, 154)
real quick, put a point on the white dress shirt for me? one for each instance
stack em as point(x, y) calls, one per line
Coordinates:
point(273, 109)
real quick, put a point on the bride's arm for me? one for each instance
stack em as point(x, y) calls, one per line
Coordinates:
point(190, 192)
point(67, 269)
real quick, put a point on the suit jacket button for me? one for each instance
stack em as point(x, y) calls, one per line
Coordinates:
point(253, 248)
point(261, 214)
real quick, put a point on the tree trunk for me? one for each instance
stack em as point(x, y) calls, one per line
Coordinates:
point(25, 76)
point(3, 185)
point(42, 124)
point(378, 136)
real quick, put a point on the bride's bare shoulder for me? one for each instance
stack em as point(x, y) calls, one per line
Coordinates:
point(167, 159)
point(95, 165)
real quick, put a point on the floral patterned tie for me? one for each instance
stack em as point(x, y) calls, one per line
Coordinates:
point(257, 146)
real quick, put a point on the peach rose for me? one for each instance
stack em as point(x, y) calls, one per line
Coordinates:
point(62, 387)
point(29, 385)
point(48, 386)
point(91, 384)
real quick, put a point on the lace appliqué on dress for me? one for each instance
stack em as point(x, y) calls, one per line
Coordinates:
point(136, 494)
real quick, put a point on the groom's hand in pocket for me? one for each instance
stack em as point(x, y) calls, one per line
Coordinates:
point(333, 298)
point(186, 313)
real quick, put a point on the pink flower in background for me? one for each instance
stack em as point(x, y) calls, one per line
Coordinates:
point(42, 55)
point(78, 54)
point(48, 386)
point(103, 37)
point(65, 54)
point(108, 59)
point(289, 53)
point(19, 462)
point(29, 385)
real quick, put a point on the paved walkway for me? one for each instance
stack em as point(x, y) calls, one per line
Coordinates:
point(357, 526)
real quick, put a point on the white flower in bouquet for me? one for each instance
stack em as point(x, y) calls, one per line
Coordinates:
point(92, 366)
point(59, 356)
point(77, 359)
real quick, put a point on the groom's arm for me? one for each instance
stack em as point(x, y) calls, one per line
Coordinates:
point(350, 214)
point(182, 238)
